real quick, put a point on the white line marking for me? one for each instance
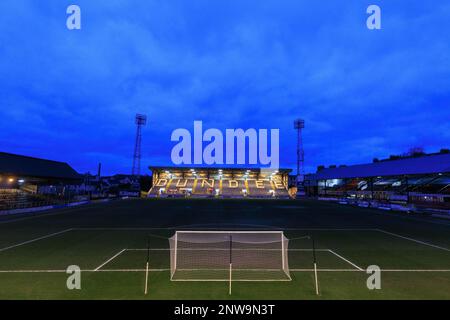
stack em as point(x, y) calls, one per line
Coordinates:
point(382, 270)
point(219, 249)
point(87, 270)
point(223, 280)
point(415, 270)
point(134, 270)
point(152, 249)
point(414, 240)
point(324, 270)
point(167, 269)
point(109, 260)
point(235, 270)
point(34, 240)
point(32, 271)
point(348, 261)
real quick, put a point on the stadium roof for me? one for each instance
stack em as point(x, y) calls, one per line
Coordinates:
point(430, 164)
point(24, 166)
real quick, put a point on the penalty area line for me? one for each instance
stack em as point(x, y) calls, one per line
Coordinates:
point(346, 260)
point(109, 260)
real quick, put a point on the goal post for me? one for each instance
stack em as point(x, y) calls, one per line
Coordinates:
point(147, 267)
point(229, 256)
point(230, 277)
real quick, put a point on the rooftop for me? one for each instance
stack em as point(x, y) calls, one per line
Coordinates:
point(24, 166)
point(427, 164)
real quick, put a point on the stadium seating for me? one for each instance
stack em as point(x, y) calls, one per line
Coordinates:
point(205, 184)
point(233, 188)
point(438, 185)
point(280, 188)
point(154, 191)
point(205, 187)
point(260, 188)
point(18, 199)
point(428, 191)
point(179, 187)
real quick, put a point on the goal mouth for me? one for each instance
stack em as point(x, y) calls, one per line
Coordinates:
point(229, 256)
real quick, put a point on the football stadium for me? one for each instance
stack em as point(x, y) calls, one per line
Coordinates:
point(224, 158)
point(228, 233)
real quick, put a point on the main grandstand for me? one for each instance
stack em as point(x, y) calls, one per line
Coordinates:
point(412, 183)
point(219, 182)
point(30, 182)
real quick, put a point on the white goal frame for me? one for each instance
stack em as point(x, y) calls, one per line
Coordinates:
point(284, 266)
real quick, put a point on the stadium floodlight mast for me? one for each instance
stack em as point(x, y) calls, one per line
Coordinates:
point(140, 120)
point(299, 125)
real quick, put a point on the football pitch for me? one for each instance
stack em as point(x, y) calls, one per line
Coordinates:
point(111, 242)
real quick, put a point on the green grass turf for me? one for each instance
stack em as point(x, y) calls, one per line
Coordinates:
point(95, 233)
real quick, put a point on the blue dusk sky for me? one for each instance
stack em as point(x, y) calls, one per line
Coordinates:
point(72, 95)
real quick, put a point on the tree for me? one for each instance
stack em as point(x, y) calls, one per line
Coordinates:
point(415, 152)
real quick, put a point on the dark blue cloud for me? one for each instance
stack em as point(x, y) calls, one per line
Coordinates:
point(72, 95)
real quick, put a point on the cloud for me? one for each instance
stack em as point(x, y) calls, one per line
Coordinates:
point(72, 95)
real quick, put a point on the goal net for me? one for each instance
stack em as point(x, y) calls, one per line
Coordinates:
point(229, 256)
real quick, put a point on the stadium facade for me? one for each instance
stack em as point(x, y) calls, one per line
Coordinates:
point(414, 183)
point(34, 174)
point(28, 181)
point(219, 182)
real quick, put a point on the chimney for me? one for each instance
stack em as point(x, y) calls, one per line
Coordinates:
point(99, 170)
